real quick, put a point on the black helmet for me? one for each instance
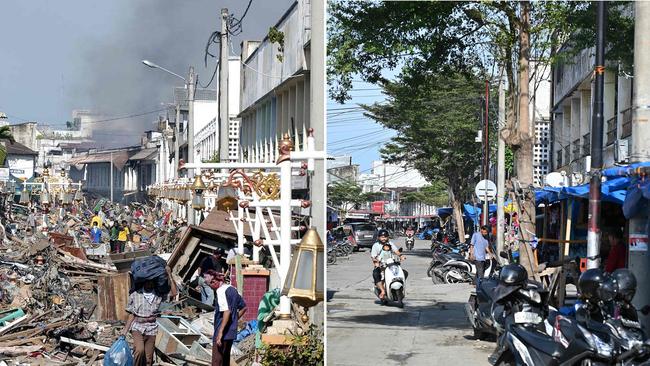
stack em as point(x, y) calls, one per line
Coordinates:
point(607, 289)
point(382, 232)
point(513, 274)
point(589, 282)
point(626, 284)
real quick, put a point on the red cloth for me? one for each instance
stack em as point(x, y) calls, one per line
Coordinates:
point(616, 258)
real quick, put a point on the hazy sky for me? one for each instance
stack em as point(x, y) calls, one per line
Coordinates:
point(56, 56)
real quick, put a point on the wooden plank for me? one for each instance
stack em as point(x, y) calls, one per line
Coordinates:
point(112, 296)
point(84, 344)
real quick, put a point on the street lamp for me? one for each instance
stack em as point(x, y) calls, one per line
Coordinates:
point(24, 196)
point(304, 281)
point(156, 66)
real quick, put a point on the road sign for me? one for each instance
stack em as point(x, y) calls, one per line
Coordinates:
point(486, 189)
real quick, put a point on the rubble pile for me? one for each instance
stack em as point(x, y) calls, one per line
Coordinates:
point(49, 280)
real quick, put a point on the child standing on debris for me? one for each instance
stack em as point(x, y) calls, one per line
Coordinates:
point(123, 236)
point(96, 233)
point(230, 307)
point(143, 309)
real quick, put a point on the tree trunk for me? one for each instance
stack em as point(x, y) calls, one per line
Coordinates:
point(524, 154)
point(457, 205)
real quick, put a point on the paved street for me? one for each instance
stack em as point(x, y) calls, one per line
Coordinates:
point(431, 329)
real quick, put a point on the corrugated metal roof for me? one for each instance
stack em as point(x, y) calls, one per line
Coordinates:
point(145, 154)
point(17, 148)
point(119, 157)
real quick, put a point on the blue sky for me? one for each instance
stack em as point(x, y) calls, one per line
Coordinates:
point(349, 132)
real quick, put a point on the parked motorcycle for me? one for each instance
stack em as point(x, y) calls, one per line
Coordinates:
point(394, 282)
point(598, 334)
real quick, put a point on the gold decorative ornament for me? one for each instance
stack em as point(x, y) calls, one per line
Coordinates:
point(285, 148)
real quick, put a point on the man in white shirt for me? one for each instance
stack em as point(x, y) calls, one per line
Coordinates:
point(375, 255)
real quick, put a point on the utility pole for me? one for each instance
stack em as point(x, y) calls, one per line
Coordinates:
point(112, 176)
point(176, 138)
point(593, 233)
point(224, 118)
point(317, 117)
point(639, 261)
point(191, 80)
point(486, 152)
point(501, 169)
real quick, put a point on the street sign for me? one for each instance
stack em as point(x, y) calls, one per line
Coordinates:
point(486, 189)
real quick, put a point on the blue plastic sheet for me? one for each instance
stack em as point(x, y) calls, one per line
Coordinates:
point(251, 328)
point(119, 354)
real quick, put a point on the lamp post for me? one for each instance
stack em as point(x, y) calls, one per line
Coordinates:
point(197, 201)
point(304, 281)
point(189, 85)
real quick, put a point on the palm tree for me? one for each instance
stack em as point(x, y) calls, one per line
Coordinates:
point(5, 134)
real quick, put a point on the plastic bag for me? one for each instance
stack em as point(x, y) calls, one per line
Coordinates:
point(119, 354)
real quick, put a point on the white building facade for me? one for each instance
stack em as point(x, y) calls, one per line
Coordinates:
point(275, 88)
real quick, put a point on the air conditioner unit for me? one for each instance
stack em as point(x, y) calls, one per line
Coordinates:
point(622, 151)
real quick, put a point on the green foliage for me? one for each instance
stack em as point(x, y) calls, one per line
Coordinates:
point(305, 350)
point(373, 196)
point(510, 160)
point(343, 193)
point(434, 194)
point(277, 36)
point(5, 134)
point(214, 159)
point(366, 38)
point(436, 121)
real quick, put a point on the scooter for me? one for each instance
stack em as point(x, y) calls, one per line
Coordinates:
point(394, 282)
point(410, 242)
point(464, 271)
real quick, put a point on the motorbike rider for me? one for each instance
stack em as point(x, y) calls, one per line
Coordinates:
point(409, 231)
point(381, 250)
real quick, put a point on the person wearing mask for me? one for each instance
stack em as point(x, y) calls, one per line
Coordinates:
point(123, 236)
point(479, 251)
point(617, 253)
point(379, 251)
point(96, 233)
point(144, 308)
point(229, 308)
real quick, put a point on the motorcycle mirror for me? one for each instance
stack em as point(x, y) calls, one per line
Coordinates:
point(503, 255)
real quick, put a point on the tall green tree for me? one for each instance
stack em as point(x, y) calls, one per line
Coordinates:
point(420, 38)
point(436, 122)
point(344, 195)
point(5, 135)
point(435, 194)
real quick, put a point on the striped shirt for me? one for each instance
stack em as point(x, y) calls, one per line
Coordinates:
point(141, 308)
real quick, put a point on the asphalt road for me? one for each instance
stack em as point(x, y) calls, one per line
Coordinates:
point(432, 329)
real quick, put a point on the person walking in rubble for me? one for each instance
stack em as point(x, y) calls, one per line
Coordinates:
point(144, 308)
point(214, 263)
point(31, 220)
point(229, 308)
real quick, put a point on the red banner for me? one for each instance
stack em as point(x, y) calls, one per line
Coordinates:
point(377, 207)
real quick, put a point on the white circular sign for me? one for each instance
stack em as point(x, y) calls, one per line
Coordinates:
point(486, 189)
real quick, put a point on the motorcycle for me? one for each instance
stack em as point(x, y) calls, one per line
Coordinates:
point(394, 282)
point(410, 242)
point(599, 333)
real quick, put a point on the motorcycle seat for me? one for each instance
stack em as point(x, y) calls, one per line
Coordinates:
point(538, 341)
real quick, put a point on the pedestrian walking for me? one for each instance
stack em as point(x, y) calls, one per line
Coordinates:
point(617, 251)
point(479, 251)
point(144, 308)
point(114, 233)
point(31, 220)
point(229, 308)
